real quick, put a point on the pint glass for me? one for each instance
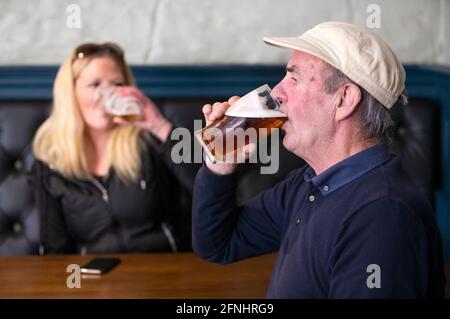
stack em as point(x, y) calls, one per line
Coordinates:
point(126, 107)
point(251, 117)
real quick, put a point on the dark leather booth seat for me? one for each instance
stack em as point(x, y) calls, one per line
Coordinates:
point(19, 231)
point(416, 142)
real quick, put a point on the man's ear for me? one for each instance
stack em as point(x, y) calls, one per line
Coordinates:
point(348, 98)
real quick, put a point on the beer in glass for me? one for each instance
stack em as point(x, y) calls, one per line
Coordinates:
point(248, 119)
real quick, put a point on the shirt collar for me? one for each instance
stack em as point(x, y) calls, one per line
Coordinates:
point(348, 170)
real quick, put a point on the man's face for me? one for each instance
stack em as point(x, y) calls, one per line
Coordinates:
point(309, 108)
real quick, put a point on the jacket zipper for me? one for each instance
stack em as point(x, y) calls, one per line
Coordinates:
point(102, 189)
point(105, 197)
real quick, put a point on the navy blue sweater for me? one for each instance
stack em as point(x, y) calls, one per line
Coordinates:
point(360, 229)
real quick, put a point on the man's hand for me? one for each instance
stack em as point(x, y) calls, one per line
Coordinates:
point(213, 113)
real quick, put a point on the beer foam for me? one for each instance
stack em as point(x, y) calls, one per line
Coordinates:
point(255, 104)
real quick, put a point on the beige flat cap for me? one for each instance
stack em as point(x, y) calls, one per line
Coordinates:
point(361, 55)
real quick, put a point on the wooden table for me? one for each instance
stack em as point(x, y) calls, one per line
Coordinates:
point(166, 275)
point(182, 275)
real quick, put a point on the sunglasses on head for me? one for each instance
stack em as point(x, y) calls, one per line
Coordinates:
point(88, 49)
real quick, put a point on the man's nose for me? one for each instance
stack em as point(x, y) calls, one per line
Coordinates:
point(279, 95)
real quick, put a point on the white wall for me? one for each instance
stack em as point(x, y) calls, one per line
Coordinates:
point(210, 31)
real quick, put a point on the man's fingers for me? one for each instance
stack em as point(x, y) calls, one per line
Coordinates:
point(233, 99)
point(218, 110)
point(206, 109)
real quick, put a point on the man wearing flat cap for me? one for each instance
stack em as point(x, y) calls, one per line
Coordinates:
point(351, 223)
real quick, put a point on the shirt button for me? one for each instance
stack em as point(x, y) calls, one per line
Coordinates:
point(311, 198)
point(325, 188)
point(298, 221)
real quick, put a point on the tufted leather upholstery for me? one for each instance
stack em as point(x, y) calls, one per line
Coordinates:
point(416, 142)
point(19, 231)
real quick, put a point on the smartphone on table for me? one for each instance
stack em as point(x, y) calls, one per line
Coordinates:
point(98, 266)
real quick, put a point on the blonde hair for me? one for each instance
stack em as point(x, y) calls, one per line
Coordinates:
point(60, 140)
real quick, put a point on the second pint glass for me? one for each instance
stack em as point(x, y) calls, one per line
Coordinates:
point(126, 107)
point(252, 116)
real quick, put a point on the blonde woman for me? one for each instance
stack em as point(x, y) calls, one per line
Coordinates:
point(105, 185)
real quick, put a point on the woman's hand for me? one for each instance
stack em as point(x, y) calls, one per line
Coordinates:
point(151, 119)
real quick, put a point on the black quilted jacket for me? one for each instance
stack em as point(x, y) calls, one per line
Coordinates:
point(104, 215)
